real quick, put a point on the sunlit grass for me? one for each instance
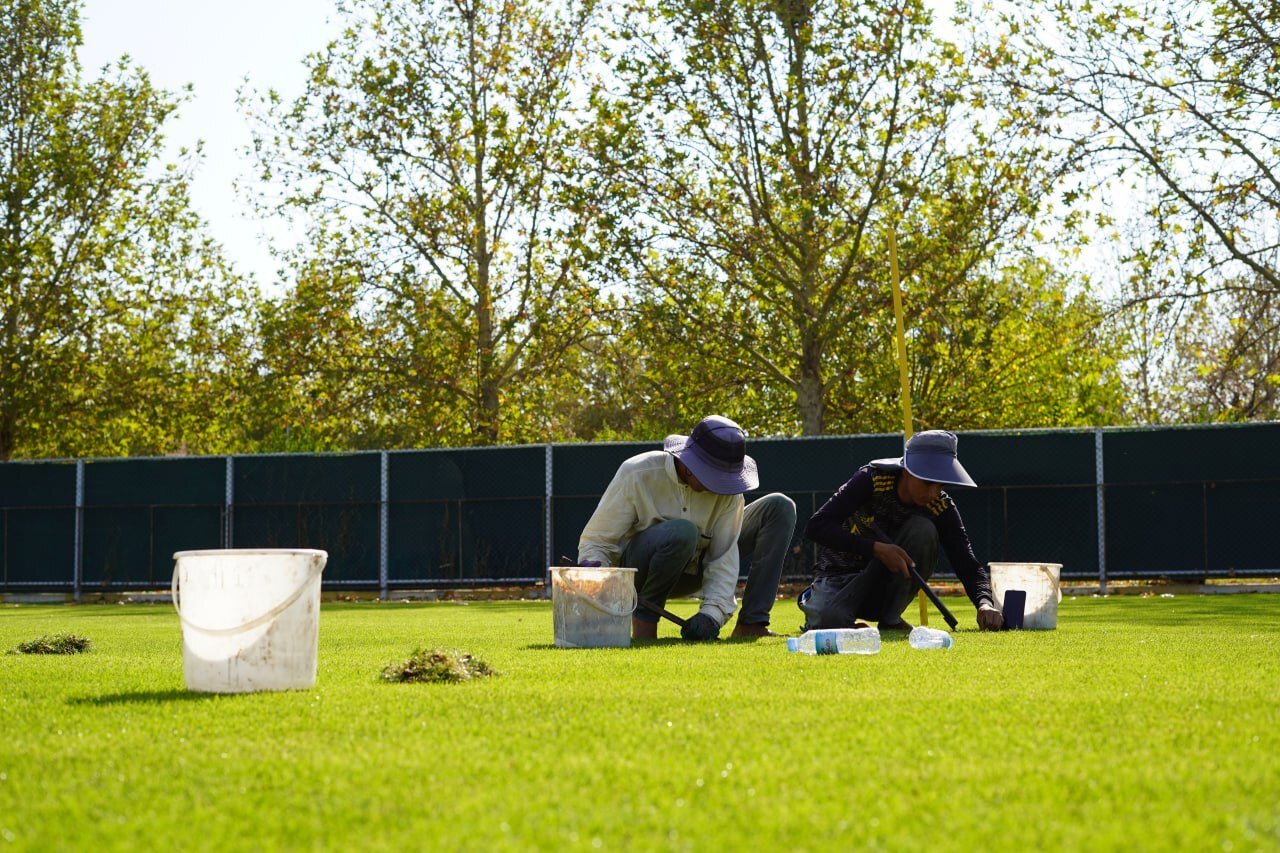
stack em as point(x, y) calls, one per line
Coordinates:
point(1141, 723)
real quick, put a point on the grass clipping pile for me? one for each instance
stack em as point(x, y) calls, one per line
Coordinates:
point(54, 644)
point(439, 666)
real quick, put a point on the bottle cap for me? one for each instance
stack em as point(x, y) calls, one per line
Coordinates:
point(793, 644)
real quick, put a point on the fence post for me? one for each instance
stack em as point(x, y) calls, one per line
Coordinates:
point(383, 521)
point(77, 571)
point(1102, 511)
point(228, 502)
point(548, 560)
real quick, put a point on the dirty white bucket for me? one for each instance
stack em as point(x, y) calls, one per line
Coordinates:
point(1041, 582)
point(250, 618)
point(591, 608)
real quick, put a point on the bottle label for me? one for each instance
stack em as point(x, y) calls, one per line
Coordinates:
point(826, 642)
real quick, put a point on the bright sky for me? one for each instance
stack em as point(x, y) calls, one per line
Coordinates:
point(214, 46)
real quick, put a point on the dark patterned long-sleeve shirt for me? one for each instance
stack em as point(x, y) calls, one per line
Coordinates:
point(843, 530)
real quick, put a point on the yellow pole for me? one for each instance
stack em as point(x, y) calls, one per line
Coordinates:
point(902, 370)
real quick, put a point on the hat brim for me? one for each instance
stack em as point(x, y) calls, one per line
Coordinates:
point(716, 479)
point(937, 468)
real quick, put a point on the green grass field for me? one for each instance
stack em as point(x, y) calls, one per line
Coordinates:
point(1141, 723)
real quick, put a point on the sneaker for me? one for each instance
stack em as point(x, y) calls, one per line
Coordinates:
point(900, 625)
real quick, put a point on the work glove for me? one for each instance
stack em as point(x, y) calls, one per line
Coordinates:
point(699, 627)
point(990, 619)
point(569, 562)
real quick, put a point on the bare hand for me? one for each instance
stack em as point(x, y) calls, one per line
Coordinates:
point(990, 619)
point(894, 558)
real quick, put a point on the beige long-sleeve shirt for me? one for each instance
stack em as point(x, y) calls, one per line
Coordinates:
point(646, 491)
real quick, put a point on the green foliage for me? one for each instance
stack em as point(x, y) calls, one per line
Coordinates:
point(442, 279)
point(665, 746)
point(54, 644)
point(760, 156)
point(1214, 359)
point(1183, 95)
point(1231, 358)
point(1026, 349)
point(438, 666)
point(118, 322)
point(1169, 111)
point(522, 222)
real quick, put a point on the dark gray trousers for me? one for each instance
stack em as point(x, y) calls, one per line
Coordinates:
point(875, 593)
point(661, 553)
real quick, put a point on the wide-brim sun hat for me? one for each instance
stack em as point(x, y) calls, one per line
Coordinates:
point(715, 452)
point(931, 455)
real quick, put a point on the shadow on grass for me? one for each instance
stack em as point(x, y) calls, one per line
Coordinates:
point(635, 644)
point(667, 642)
point(142, 697)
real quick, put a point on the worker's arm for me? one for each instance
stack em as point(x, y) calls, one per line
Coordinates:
point(720, 565)
point(613, 520)
point(829, 526)
point(973, 574)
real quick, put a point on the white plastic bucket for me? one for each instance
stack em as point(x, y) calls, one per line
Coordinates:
point(250, 618)
point(592, 608)
point(1041, 582)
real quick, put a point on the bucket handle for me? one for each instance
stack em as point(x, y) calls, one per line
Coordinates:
point(1057, 585)
point(626, 611)
point(247, 626)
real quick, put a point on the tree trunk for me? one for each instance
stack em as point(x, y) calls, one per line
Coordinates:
point(6, 435)
point(811, 391)
point(487, 416)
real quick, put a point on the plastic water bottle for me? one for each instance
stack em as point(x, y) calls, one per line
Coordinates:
point(929, 638)
point(836, 641)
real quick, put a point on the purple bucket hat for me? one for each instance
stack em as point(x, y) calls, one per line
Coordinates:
point(716, 454)
point(931, 456)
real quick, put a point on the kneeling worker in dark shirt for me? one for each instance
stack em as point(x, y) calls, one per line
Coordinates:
point(891, 515)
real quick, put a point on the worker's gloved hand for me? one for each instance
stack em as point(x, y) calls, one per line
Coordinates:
point(989, 618)
point(700, 627)
point(570, 562)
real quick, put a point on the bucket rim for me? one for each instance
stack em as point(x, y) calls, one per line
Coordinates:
point(1024, 563)
point(244, 552)
point(591, 569)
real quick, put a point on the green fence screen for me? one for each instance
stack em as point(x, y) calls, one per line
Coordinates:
point(1105, 503)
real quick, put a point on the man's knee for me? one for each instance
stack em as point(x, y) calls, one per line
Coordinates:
point(776, 508)
point(919, 538)
point(679, 535)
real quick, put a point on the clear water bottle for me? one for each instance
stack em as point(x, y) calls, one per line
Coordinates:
point(929, 638)
point(836, 641)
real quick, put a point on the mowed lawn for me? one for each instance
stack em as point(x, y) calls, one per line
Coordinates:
point(1141, 723)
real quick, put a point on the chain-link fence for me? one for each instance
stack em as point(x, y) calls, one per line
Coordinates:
point(1105, 503)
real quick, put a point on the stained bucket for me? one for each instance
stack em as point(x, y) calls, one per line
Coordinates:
point(250, 618)
point(592, 608)
point(1040, 581)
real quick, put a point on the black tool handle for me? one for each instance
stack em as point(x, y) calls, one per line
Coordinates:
point(661, 611)
point(915, 575)
point(933, 596)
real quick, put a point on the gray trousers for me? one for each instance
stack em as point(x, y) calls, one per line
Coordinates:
point(875, 593)
point(661, 553)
